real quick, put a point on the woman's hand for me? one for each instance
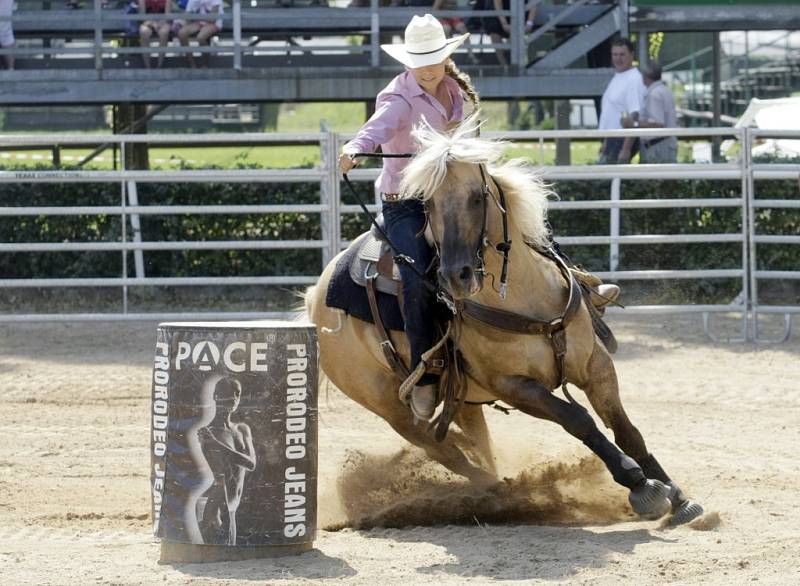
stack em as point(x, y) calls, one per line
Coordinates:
point(346, 162)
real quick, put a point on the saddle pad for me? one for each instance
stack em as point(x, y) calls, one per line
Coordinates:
point(369, 252)
point(344, 293)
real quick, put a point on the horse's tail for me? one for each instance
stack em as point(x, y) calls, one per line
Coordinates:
point(305, 311)
point(303, 308)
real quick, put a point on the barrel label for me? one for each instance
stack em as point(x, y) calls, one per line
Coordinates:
point(234, 432)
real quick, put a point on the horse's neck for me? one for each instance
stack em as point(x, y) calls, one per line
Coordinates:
point(535, 284)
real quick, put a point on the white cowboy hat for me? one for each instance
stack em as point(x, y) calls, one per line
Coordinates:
point(425, 43)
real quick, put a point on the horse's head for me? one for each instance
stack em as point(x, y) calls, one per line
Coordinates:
point(457, 219)
point(458, 174)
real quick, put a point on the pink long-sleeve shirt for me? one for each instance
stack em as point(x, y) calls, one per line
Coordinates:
point(398, 108)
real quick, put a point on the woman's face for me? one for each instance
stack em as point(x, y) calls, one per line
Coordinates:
point(429, 77)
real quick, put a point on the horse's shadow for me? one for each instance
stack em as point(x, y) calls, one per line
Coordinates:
point(515, 553)
point(495, 531)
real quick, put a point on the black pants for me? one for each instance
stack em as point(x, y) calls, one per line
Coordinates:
point(405, 219)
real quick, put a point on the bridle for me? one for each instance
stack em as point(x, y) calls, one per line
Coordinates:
point(503, 248)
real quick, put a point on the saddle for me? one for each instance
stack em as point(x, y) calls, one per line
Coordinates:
point(373, 261)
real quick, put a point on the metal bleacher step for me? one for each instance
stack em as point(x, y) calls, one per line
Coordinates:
point(580, 44)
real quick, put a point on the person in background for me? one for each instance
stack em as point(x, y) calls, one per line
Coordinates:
point(160, 28)
point(498, 27)
point(7, 31)
point(624, 97)
point(432, 88)
point(658, 112)
point(204, 28)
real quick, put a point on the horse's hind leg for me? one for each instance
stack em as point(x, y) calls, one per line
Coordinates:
point(602, 391)
point(471, 421)
point(451, 453)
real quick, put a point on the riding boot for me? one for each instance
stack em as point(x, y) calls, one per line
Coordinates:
point(604, 294)
point(423, 401)
point(601, 294)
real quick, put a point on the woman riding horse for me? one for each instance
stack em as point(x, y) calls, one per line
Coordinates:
point(432, 89)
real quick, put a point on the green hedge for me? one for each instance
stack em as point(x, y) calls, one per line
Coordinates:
point(161, 228)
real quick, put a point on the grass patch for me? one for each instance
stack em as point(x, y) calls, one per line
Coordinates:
point(345, 117)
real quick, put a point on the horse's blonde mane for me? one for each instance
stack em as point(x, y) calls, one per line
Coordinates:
point(526, 194)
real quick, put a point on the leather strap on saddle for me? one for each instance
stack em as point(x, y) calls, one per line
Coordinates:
point(389, 351)
point(515, 322)
point(428, 363)
point(554, 329)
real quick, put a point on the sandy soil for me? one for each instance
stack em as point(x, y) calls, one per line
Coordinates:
point(724, 420)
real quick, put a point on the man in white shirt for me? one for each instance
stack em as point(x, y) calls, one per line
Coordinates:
point(658, 112)
point(624, 96)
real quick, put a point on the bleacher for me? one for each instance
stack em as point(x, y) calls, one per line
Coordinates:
point(313, 52)
point(321, 50)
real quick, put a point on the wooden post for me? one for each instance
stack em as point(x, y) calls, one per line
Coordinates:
point(563, 154)
point(131, 120)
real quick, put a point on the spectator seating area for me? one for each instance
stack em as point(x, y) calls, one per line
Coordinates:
point(264, 33)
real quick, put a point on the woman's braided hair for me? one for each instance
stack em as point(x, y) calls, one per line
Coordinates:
point(463, 81)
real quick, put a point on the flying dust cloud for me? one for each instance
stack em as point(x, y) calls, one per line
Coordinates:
point(406, 489)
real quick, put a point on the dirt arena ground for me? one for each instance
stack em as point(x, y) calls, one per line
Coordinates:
point(724, 420)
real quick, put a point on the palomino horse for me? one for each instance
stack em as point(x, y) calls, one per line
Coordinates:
point(463, 181)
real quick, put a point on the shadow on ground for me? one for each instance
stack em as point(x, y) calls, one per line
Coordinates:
point(311, 565)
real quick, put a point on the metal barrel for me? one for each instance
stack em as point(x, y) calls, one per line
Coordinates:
point(234, 439)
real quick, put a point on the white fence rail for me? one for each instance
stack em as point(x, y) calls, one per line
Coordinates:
point(331, 209)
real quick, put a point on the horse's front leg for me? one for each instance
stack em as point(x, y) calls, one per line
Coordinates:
point(602, 390)
point(648, 497)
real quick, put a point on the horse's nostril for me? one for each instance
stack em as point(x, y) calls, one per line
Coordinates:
point(466, 273)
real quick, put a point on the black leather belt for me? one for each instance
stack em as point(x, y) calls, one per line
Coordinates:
point(654, 142)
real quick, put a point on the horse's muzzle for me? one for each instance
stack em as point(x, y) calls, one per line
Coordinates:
point(461, 282)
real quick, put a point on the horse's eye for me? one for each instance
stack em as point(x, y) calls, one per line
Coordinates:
point(476, 199)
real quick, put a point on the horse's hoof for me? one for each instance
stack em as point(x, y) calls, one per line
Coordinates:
point(685, 512)
point(651, 500)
